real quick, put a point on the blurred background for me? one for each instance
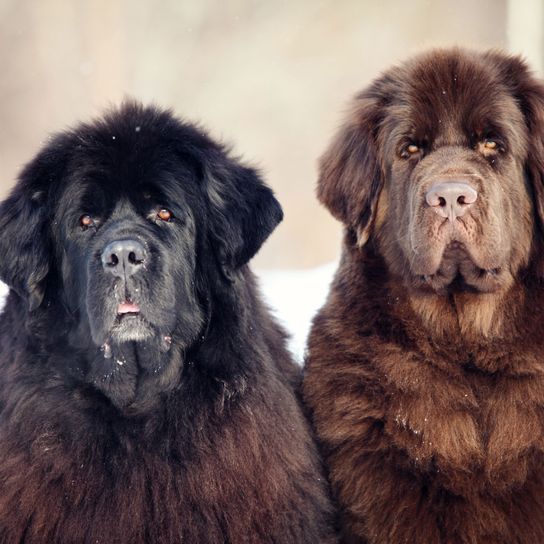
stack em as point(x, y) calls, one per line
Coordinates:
point(272, 77)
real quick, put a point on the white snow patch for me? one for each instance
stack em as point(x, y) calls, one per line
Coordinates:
point(295, 296)
point(3, 295)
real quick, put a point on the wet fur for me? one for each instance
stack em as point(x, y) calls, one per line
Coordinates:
point(429, 404)
point(197, 440)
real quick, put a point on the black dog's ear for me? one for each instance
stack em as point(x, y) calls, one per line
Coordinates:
point(24, 263)
point(350, 177)
point(24, 228)
point(243, 211)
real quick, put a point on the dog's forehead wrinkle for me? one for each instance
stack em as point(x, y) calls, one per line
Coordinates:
point(438, 91)
point(442, 129)
point(124, 222)
point(448, 135)
point(123, 209)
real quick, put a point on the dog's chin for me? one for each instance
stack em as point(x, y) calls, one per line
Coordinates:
point(457, 272)
point(120, 329)
point(130, 328)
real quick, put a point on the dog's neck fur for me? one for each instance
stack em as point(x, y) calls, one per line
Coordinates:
point(468, 321)
point(471, 316)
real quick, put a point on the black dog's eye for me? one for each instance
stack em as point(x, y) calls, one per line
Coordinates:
point(86, 221)
point(165, 215)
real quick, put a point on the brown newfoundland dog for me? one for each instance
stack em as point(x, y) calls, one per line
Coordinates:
point(425, 373)
point(146, 394)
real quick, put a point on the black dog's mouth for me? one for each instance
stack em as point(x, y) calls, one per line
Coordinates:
point(130, 323)
point(127, 309)
point(125, 312)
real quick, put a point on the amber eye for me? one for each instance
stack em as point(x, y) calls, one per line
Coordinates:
point(490, 144)
point(86, 221)
point(409, 151)
point(165, 215)
point(489, 147)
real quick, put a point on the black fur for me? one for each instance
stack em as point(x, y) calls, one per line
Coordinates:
point(178, 424)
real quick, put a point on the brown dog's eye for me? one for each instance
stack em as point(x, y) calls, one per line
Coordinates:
point(410, 150)
point(86, 221)
point(165, 215)
point(490, 144)
point(489, 147)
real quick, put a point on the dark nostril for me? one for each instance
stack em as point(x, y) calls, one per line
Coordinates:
point(441, 201)
point(135, 257)
point(113, 261)
point(461, 200)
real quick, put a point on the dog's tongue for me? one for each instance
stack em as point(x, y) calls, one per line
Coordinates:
point(128, 308)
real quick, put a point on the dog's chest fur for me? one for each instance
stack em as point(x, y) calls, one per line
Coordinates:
point(469, 429)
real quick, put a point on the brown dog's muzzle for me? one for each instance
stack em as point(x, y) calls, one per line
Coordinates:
point(451, 199)
point(456, 225)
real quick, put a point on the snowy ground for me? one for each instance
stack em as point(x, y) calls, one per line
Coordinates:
point(293, 295)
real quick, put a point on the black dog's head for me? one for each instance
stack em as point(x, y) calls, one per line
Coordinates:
point(121, 223)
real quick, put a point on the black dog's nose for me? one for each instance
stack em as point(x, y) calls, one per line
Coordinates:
point(123, 258)
point(451, 198)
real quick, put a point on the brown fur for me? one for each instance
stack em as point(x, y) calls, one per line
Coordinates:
point(425, 374)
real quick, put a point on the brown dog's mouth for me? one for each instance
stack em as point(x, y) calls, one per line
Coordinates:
point(481, 281)
point(458, 272)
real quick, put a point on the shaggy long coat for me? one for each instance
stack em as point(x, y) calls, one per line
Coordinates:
point(427, 388)
point(189, 435)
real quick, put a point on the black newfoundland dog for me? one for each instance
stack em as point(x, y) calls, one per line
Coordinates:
point(146, 395)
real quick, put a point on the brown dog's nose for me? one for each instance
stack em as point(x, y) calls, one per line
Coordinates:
point(451, 199)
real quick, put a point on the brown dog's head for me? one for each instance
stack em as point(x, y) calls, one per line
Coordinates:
point(441, 164)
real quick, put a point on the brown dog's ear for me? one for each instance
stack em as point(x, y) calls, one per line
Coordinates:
point(529, 94)
point(350, 177)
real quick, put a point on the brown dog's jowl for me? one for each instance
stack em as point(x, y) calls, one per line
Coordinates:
point(425, 374)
